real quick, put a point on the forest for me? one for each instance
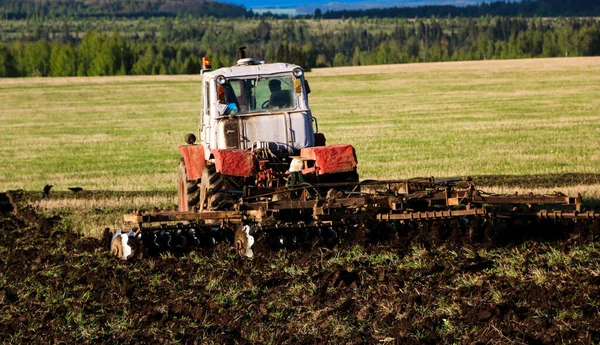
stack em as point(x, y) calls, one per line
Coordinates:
point(28, 9)
point(171, 46)
point(54, 39)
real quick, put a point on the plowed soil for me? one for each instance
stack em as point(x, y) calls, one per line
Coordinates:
point(57, 287)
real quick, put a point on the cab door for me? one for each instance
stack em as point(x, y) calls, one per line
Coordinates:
point(204, 127)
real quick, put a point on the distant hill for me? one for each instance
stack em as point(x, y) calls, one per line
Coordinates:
point(428, 8)
point(328, 5)
point(525, 8)
point(19, 9)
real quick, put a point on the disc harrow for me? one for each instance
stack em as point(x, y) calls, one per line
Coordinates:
point(308, 215)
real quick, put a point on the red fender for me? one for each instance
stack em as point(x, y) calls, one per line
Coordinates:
point(194, 159)
point(235, 162)
point(331, 159)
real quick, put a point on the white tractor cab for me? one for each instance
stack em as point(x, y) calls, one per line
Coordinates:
point(256, 105)
point(256, 135)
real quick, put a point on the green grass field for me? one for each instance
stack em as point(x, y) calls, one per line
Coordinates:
point(474, 118)
point(517, 117)
point(470, 118)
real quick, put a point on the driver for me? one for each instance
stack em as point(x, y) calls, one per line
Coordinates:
point(279, 98)
point(274, 85)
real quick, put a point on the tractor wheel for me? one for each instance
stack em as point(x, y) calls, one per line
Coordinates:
point(210, 185)
point(187, 190)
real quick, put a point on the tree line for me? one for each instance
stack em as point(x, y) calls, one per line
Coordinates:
point(178, 49)
point(524, 8)
point(36, 9)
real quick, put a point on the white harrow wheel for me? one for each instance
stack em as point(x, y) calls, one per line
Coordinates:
point(244, 241)
point(121, 244)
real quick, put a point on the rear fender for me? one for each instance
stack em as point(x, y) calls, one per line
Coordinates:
point(330, 159)
point(235, 162)
point(193, 157)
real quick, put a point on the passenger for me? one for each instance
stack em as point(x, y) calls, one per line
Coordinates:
point(231, 100)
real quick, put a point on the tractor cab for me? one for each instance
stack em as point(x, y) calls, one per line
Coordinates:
point(256, 106)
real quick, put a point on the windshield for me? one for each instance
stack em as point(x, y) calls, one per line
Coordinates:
point(259, 94)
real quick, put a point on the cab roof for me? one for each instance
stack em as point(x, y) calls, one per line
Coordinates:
point(252, 69)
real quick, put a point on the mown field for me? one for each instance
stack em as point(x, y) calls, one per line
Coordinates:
point(517, 117)
point(513, 125)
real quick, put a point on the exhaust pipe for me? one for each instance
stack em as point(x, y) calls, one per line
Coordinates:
point(241, 53)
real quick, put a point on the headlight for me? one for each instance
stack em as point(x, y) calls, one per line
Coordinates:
point(221, 79)
point(298, 72)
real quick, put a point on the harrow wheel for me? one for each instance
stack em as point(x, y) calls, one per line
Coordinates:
point(124, 245)
point(244, 241)
point(187, 190)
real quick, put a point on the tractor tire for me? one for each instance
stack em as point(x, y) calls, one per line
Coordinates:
point(213, 190)
point(210, 185)
point(187, 190)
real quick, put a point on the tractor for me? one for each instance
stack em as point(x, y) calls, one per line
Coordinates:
point(257, 134)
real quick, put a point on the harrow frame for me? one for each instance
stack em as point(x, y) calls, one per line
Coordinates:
point(329, 207)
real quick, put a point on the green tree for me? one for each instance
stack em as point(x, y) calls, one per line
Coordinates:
point(590, 40)
point(63, 61)
point(87, 51)
point(550, 46)
point(7, 63)
point(318, 14)
point(191, 65)
point(412, 48)
point(37, 59)
point(147, 64)
point(340, 60)
point(383, 54)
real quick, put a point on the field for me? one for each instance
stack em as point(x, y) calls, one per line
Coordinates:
point(56, 287)
point(512, 125)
